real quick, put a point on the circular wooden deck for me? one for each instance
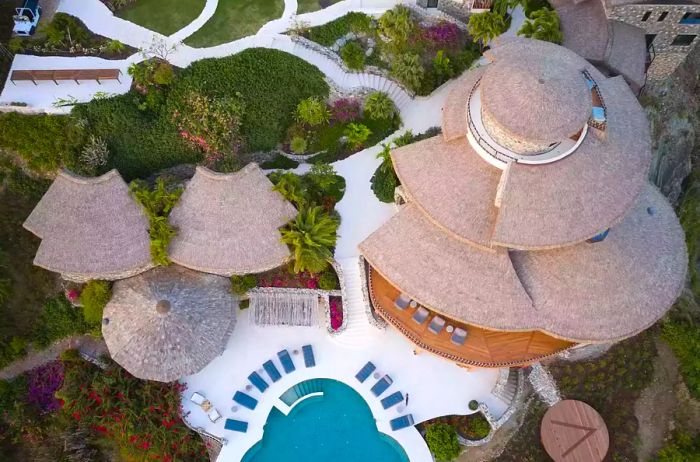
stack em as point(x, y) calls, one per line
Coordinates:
point(572, 431)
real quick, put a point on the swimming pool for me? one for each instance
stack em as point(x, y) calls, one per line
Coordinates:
point(338, 426)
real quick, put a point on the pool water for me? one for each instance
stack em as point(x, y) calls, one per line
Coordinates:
point(337, 427)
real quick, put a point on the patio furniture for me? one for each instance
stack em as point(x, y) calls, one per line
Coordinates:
point(286, 361)
point(213, 415)
point(365, 372)
point(245, 400)
point(236, 425)
point(392, 400)
point(402, 301)
point(381, 385)
point(420, 315)
point(459, 336)
point(197, 399)
point(258, 382)
point(65, 74)
point(272, 371)
point(309, 359)
point(450, 328)
point(436, 325)
point(401, 422)
point(413, 304)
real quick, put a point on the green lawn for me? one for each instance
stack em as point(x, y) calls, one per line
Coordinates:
point(235, 19)
point(307, 6)
point(164, 16)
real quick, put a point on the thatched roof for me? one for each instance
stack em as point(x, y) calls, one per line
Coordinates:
point(588, 292)
point(91, 228)
point(168, 322)
point(229, 223)
point(627, 53)
point(535, 92)
point(454, 112)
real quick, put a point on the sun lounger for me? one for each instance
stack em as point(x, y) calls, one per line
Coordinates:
point(381, 385)
point(436, 325)
point(392, 400)
point(197, 398)
point(459, 336)
point(420, 315)
point(309, 359)
point(401, 422)
point(245, 400)
point(272, 371)
point(402, 302)
point(213, 415)
point(236, 425)
point(286, 361)
point(258, 382)
point(365, 372)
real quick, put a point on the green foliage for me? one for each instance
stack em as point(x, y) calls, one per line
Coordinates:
point(442, 67)
point(530, 6)
point(158, 203)
point(684, 337)
point(542, 25)
point(242, 284)
point(16, 44)
point(477, 427)
point(279, 162)
point(682, 448)
point(486, 26)
point(163, 74)
point(311, 236)
point(94, 298)
point(115, 47)
point(353, 55)
point(328, 281)
point(379, 106)
point(290, 186)
point(500, 7)
point(298, 145)
point(397, 24)
point(384, 181)
point(65, 29)
point(328, 33)
point(407, 68)
point(689, 214)
point(312, 111)
point(58, 320)
point(357, 134)
point(442, 441)
point(152, 72)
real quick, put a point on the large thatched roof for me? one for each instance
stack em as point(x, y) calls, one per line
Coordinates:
point(229, 223)
point(588, 292)
point(91, 228)
point(168, 322)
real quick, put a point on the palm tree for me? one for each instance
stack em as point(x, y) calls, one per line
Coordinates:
point(311, 236)
point(486, 26)
point(397, 25)
point(291, 187)
point(543, 24)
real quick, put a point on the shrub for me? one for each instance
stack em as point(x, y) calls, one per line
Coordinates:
point(291, 188)
point(684, 338)
point(163, 74)
point(443, 35)
point(312, 111)
point(95, 154)
point(473, 405)
point(530, 6)
point(357, 134)
point(397, 24)
point(477, 427)
point(94, 298)
point(442, 67)
point(384, 181)
point(353, 55)
point(65, 29)
point(311, 236)
point(407, 68)
point(486, 26)
point(682, 448)
point(463, 60)
point(115, 47)
point(328, 281)
point(298, 145)
point(242, 284)
point(442, 441)
point(279, 162)
point(543, 24)
point(16, 44)
point(58, 320)
point(379, 106)
point(328, 33)
point(345, 110)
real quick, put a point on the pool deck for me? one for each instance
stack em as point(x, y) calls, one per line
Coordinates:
point(435, 386)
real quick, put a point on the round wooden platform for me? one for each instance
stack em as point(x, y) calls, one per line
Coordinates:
point(572, 431)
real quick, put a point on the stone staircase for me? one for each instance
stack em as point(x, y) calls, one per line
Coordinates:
point(507, 387)
point(358, 331)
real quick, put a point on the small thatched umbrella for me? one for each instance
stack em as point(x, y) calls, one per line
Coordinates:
point(168, 322)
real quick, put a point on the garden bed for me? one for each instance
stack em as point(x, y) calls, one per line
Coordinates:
point(307, 6)
point(162, 16)
point(473, 427)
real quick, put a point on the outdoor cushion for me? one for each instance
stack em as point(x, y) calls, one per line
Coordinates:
point(381, 385)
point(309, 359)
point(258, 382)
point(401, 422)
point(286, 361)
point(236, 425)
point(392, 400)
point(272, 371)
point(365, 372)
point(245, 400)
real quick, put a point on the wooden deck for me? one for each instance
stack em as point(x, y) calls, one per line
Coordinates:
point(483, 347)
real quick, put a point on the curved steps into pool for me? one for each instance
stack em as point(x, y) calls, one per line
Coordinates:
point(301, 390)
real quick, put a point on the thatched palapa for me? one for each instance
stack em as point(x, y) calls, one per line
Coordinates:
point(168, 322)
point(91, 228)
point(229, 223)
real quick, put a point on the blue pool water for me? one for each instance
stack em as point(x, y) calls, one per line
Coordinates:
point(337, 427)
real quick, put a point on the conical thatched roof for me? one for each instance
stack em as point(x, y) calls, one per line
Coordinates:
point(229, 223)
point(168, 322)
point(91, 228)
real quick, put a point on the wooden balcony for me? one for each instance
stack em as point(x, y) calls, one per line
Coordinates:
point(483, 347)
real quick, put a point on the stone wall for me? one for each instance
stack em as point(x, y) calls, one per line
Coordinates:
point(508, 141)
point(456, 8)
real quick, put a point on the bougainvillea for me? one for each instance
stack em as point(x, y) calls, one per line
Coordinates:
point(345, 110)
point(443, 35)
point(336, 305)
point(42, 383)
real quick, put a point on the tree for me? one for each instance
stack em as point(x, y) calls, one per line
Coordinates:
point(357, 134)
point(442, 441)
point(543, 24)
point(396, 24)
point(409, 70)
point(384, 181)
point(486, 26)
point(311, 236)
point(379, 106)
point(312, 111)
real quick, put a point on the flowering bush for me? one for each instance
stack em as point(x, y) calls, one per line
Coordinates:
point(345, 110)
point(42, 384)
point(336, 312)
point(443, 35)
point(283, 278)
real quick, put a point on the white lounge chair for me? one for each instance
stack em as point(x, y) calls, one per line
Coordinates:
point(436, 325)
point(420, 315)
point(459, 336)
point(197, 398)
point(213, 415)
point(402, 302)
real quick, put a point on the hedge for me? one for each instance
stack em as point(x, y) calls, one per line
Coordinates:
point(328, 33)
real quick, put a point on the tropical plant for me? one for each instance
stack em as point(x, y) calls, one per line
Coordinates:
point(163, 74)
point(291, 188)
point(530, 6)
point(407, 68)
point(94, 297)
point(312, 111)
point(543, 24)
point(242, 284)
point(298, 145)
point(353, 55)
point(682, 448)
point(486, 26)
point(115, 47)
point(328, 281)
point(142, 73)
point(501, 7)
point(311, 237)
point(58, 320)
point(65, 29)
point(441, 67)
point(384, 181)
point(95, 154)
point(379, 106)
point(322, 176)
point(442, 441)
point(345, 110)
point(356, 134)
point(397, 24)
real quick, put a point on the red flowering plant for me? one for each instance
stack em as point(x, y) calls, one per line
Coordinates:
point(444, 35)
point(336, 312)
point(345, 110)
point(142, 417)
point(42, 384)
point(283, 277)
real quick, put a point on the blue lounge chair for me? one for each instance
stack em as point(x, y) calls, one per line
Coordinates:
point(598, 114)
point(401, 422)
point(309, 359)
point(365, 372)
point(286, 361)
point(272, 371)
point(381, 385)
point(258, 382)
point(236, 425)
point(392, 400)
point(245, 400)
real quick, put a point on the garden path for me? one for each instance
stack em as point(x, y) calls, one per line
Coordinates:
point(194, 26)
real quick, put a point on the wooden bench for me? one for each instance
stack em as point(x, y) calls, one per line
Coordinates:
point(65, 74)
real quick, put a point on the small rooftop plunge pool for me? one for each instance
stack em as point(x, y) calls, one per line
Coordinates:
point(338, 426)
